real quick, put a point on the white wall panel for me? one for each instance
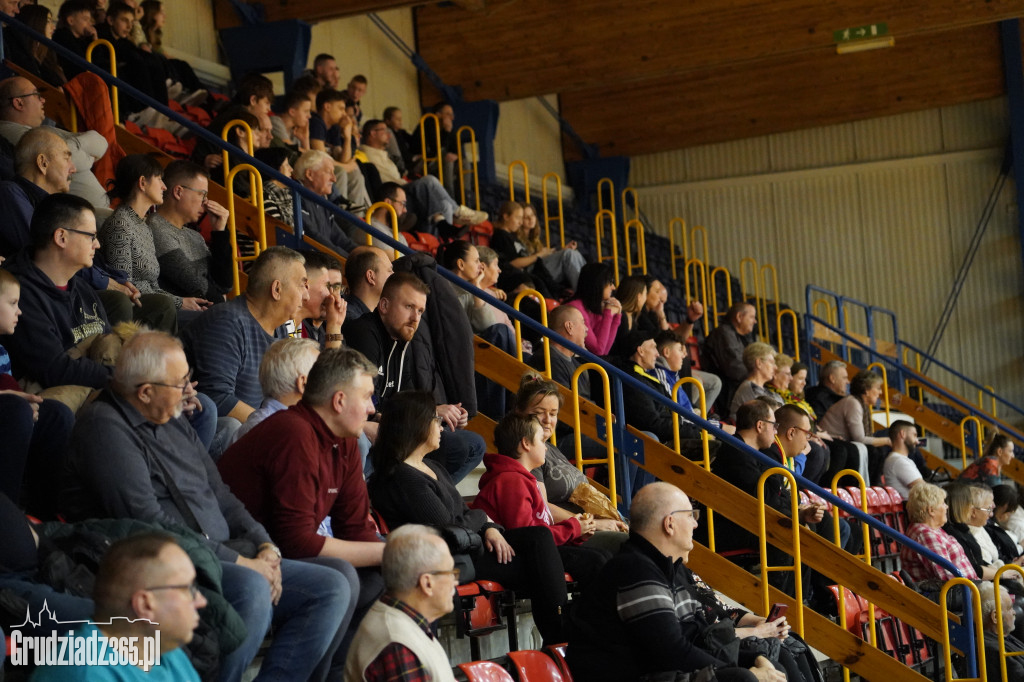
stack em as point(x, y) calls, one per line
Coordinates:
point(527, 132)
point(912, 134)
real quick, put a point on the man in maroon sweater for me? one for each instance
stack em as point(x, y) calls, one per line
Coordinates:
point(301, 466)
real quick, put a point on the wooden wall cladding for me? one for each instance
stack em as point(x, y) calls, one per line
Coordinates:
point(523, 48)
point(787, 93)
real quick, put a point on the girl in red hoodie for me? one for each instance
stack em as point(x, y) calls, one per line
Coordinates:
point(510, 495)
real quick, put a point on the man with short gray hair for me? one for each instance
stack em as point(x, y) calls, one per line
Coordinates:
point(990, 607)
point(302, 465)
point(833, 383)
point(132, 456)
point(395, 639)
point(315, 170)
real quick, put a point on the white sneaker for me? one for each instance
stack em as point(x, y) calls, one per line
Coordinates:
point(464, 215)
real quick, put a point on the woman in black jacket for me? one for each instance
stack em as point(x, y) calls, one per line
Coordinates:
point(406, 488)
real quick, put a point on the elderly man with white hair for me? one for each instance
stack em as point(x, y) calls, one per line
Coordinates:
point(283, 372)
point(990, 607)
point(315, 170)
point(395, 640)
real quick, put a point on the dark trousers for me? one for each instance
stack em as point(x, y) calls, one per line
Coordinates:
point(156, 311)
point(32, 452)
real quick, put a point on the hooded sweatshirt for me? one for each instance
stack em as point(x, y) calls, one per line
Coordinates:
point(54, 320)
point(510, 496)
point(368, 335)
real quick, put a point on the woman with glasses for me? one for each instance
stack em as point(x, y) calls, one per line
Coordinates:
point(408, 487)
point(127, 241)
point(971, 506)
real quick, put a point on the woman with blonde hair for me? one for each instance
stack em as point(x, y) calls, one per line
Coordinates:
point(759, 359)
point(562, 264)
point(928, 512)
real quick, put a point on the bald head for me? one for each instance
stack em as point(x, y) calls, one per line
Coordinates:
point(20, 102)
point(652, 503)
point(36, 143)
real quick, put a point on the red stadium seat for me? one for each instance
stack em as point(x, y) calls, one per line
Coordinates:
point(535, 666)
point(557, 653)
point(485, 671)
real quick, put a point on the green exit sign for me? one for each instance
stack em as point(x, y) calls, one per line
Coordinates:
point(860, 32)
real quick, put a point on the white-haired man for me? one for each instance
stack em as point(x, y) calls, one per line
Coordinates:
point(315, 170)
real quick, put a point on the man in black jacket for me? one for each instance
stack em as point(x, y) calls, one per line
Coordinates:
point(389, 338)
point(639, 617)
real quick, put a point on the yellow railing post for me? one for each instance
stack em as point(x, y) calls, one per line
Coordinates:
point(885, 390)
point(866, 539)
point(629, 191)
point(790, 313)
point(979, 633)
point(261, 244)
point(423, 145)
point(511, 180)
point(601, 184)
point(547, 200)
point(703, 403)
point(979, 434)
point(113, 72)
point(599, 229)
point(672, 243)
point(755, 280)
point(462, 168)
point(702, 281)
point(714, 293)
point(699, 230)
point(796, 568)
point(609, 422)
point(543, 320)
point(981, 398)
point(635, 226)
point(394, 224)
point(762, 319)
point(227, 163)
point(1001, 628)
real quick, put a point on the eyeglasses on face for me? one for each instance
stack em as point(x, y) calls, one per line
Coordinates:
point(192, 587)
point(91, 235)
point(180, 387)
point(454, 573)
point(35, 93)
point(775, 425)
point(694, 512)
point(203, 192)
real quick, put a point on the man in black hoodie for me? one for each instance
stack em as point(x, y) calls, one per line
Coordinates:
point(385, 337)
point(60, 308)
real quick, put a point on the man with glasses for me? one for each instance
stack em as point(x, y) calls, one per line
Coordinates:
point(22, 109)
point(188, 267)
point(324, 312)
point(392, 194)
point(145, 584)
point(639, 616)
point(132, 456)
point(395, 640)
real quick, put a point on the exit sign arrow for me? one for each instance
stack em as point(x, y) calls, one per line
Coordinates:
point(860, 32)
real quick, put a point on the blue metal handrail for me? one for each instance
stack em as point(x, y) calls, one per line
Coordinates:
point(617, 375)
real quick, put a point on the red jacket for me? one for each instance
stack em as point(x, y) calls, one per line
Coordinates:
point(510, 496)
point(291, 472)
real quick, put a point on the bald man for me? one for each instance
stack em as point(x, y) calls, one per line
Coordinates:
point(22, 109)
point(639, 616)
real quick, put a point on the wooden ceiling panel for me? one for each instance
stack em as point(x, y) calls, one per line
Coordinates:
point(533, 47)
point(787, 93)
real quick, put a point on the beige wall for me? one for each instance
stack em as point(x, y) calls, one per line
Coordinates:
point(527, 132)
point(880, 210)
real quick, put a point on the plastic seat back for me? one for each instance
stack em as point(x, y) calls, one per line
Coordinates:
point(557, 654)
point(485, 671)
point(535, 666)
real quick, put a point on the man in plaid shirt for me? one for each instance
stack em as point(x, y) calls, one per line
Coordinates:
point(395, 642)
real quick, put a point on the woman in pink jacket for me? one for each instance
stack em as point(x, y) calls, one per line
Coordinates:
point(602, 313)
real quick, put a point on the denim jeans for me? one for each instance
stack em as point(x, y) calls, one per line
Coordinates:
point(204, 421)
point(309, 619)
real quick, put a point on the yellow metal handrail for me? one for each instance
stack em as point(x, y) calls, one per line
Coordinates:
point(641, 247)
point(763, 541)
point(599, 230)
point(981, 398)
point(261, 244)
point(394, 224)
point(113, 72)
point(714, 293)
point(866, 539)
point(609, 421)
point(790, 313)
point(561, 210)
point(979, 634)
point(703, 402)
point(543, 320)
point(705, 257)
point(511, 180)
point(672, 243)
point(830, 311)
point(702, 281)
point(625, 205)
point(756, 280)
point(1000, 627)
point(462, 169)
point(423, 146)
point(227, 163)
point(885, 392)
point(979, 433)
point(606, 182)
point(762, 319)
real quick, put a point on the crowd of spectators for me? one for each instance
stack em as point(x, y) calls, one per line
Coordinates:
point(248, 436)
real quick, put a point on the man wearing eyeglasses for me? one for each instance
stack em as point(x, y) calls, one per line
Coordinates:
point(639, 617)
point(145, 584)
point(395, 640)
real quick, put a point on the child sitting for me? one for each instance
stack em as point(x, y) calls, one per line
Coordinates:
point(511, 496)
point(35, 431)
